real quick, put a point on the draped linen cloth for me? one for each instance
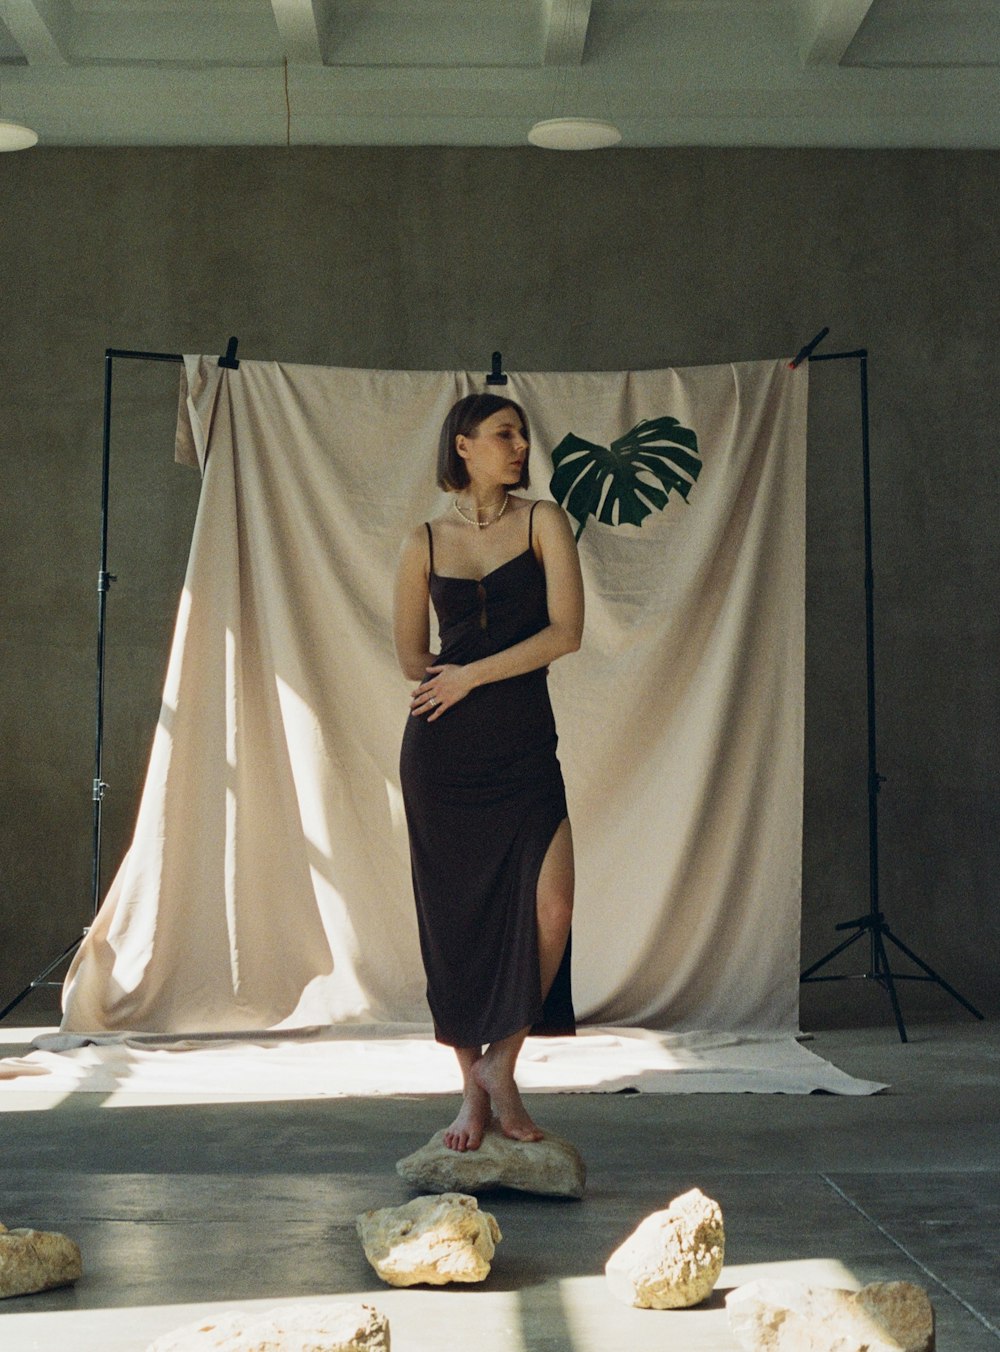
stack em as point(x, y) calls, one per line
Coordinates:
point(267, 885)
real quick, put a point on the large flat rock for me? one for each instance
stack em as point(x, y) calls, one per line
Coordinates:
point(784, 1316)
point(551, 1167)
point(337, 1327)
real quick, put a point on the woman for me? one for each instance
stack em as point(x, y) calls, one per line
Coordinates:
point(490, 840)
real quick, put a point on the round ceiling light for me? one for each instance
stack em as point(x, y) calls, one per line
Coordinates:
point(15, 137)
point(574, 133)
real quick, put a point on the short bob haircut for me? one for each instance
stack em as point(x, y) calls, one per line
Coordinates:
point(462, 421)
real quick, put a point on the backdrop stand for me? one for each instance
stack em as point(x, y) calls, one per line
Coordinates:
point(873, 923)
point(104, 581)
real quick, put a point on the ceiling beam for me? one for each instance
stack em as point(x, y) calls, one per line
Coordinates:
point(41, 29)
point(566, 23)
point(828, 29)
point(298, 24)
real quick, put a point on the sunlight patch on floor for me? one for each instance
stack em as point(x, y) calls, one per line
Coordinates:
point(420, 1319)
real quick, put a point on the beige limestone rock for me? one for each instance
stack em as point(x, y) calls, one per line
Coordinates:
point(674, 1257)
point(784, 1316)
point(431, 1239)
point(550, 1166)
point(36, 1260)
point(339, 1327)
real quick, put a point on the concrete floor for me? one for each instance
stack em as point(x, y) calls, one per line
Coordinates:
point(188, 1207)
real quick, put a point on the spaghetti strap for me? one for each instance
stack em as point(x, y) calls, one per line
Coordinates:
point(430, 543)
point(531, 516)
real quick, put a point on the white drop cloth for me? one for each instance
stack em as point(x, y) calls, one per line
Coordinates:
point(403, 1059)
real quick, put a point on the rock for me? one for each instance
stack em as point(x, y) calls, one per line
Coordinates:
point(904, 1309)
point(36, 1260)
point(340, 1327)
point(783, 1316)
point(674, 1257)
point(550, 1166)
point(431, 1239)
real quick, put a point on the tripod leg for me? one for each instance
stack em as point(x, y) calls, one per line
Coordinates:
point(931, 972)
point(21, 995)
point(40, 978)
point(883, 973)
point(830, 956)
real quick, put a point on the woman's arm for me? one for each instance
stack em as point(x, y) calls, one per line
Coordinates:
point(411, 627)
point(564, 596)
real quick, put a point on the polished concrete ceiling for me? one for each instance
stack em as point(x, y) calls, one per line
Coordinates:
point(865, 73)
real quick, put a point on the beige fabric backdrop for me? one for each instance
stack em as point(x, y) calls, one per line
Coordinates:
point(268, 882)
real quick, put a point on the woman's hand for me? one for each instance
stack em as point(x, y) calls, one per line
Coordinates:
point(445, 687)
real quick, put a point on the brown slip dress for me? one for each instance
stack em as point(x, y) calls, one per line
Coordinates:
point(484, 796)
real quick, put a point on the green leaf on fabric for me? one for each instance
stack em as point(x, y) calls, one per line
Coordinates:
point(615, 484)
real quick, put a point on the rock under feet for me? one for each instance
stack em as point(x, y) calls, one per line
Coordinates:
point(551, 1166)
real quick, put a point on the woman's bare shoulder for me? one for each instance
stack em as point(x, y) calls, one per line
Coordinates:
point(416, 535)
point(444, 523)
point(550, 517)
point(414, 543)
point(546, 507)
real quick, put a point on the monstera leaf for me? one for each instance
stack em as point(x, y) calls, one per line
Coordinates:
point(628, 480)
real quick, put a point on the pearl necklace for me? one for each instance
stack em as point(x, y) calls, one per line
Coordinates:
point(474, 521)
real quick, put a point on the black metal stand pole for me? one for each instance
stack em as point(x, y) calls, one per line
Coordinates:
point(104, 581)
point(873, 923)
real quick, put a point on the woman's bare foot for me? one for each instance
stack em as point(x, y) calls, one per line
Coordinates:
point(497, 1081)
point(466, 1132)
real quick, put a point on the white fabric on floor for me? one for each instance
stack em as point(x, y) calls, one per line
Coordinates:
point(268, 881)
point(401, 1059)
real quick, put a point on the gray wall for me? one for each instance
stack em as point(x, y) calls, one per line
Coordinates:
point(432, 258)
